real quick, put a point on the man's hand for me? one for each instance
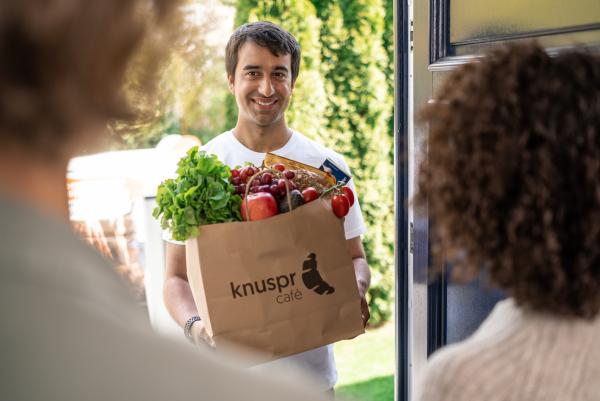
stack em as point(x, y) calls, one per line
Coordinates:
point(200, 336)
point(363, 275)
point(364, 306)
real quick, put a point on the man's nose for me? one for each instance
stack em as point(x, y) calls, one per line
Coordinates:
point(266, 87)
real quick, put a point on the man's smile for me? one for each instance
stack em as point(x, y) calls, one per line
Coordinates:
point(264, 103)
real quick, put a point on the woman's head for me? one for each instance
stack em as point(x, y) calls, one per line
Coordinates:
point(63, 67)
point(512, 175)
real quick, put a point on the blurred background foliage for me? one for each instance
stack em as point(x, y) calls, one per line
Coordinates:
point(343, 98)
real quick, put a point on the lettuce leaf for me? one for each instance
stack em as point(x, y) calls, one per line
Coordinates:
point(201, 194)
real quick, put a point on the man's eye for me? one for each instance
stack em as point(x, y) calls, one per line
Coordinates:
point(280, 74)
point(252, 73)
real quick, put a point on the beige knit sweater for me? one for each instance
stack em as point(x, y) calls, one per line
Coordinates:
point(518, 355)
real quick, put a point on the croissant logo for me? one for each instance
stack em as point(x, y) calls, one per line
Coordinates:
point(312, 279)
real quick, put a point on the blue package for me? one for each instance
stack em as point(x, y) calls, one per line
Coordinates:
point(330, 167)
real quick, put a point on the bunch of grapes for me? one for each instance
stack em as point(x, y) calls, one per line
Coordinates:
point(270, 181)
point(253, 180)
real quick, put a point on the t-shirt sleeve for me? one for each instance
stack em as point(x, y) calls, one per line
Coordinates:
point(354, 224)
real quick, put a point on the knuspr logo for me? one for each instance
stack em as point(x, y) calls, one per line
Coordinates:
point(312, 278)
point(285, 284)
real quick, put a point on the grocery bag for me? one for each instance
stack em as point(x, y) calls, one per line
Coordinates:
point(278, 286)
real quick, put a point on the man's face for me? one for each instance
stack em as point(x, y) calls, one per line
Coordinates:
point(262, 85)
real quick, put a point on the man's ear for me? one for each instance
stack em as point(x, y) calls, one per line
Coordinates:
point(230, 83)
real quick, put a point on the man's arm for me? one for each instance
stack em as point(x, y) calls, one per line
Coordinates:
point(362, 272)
point(178, 294)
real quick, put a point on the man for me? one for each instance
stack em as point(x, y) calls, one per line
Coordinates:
point(262, 63)
point(70, 330)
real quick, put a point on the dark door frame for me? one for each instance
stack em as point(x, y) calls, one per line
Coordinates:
point(401, 53)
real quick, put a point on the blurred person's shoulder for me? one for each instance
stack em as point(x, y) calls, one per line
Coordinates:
point(71, 330)
point(44, 252)
point(477, 364)
point(67, 351)
point(517, 354)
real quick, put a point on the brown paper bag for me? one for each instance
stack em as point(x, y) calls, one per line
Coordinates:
point(278, 286)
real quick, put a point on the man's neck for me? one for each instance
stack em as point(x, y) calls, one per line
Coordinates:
point(39, 184)
point(262, 139)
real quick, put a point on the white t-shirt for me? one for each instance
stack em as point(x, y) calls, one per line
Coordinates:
point(318, 362)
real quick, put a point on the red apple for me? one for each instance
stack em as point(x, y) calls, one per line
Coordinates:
point(260, 206)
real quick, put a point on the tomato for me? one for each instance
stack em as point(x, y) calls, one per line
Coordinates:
point(349, 194)
point(310, 194)
point(340, 205)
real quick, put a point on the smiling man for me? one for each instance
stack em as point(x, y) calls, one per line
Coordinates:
point(262, 63)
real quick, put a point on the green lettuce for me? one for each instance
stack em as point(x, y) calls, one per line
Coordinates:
point(201, 194)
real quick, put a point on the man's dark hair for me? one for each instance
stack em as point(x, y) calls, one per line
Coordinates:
point(512, 175)
point(265, 34)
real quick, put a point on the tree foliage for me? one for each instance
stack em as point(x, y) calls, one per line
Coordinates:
point(191, 88)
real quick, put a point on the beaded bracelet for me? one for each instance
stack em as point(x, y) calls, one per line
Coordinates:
point(187, 329)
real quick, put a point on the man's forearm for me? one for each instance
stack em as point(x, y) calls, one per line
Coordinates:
point(179, 300)
point(363, 274)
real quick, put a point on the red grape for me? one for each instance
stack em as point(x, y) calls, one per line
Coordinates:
point(266, 179)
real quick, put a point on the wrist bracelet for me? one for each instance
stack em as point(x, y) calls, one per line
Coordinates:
point(187, 329)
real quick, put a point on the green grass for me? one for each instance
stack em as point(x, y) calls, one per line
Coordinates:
point(366, 366)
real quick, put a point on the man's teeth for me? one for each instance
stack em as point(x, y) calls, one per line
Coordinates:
point(263, 103)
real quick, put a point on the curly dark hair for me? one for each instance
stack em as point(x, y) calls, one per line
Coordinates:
point(63, 65)
point(265, 34)
point(512, 175)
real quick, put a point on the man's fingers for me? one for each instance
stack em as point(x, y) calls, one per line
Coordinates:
point(208, 340)
point(201, 336)
point(366, 315)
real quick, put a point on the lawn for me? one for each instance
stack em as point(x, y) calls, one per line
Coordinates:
point(366, 366)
